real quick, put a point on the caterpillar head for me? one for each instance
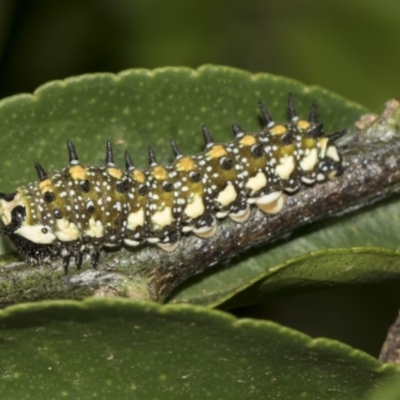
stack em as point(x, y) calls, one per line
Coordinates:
point(32, 240)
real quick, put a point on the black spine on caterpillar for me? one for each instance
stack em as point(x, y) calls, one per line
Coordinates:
point(83, 208)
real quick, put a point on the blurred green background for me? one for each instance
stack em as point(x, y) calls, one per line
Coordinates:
point(349, 47)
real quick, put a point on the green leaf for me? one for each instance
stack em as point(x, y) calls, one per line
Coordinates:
point(102, 349)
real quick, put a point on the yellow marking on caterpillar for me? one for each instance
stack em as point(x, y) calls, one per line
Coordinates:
point(77, 172)
point(216, 151)
point(115, 172)
point(185, 164)
point(278, 130)
point(138, 176)
point(303, 125)
point(45, 186)
point(248, 140)
point(160, 173)
point(308, 143)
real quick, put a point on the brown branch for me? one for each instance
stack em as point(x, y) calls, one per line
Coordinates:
point(390, 352)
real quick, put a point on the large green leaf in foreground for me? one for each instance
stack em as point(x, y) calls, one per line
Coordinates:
point(103, 349)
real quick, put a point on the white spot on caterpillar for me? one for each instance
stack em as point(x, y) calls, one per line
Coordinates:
point(273, 207)
point(241, 216)
point(285, 167)
point(162, 218)
point(66, 231)
point(40, 234)
point(222, 214)
point(320, 177)
point(308, 181)
point(257, 182)
point(332, 153)
point(206, 231)
point(268, 198)
point(168, 246)
point(227, 196)
point(136, 219)
point(195, 208)
point(131, 242)
point(309, 161)
point(153, 240)
point(96, 229)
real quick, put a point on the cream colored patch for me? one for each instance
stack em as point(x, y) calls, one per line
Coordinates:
point(333, 153)
point(216, 151)
point(162, 218)
point(227, 196)
point(268, 198)
point(323, 144)
point(222, 214)
point(168, 246)
point(7, 206)
point(195, 208)
point(131, 242)
point(77, 172)
point(34, 233)
point(320, 177)
point(96, 229)
point(111, 245)
point(278, 130)
point(303, 125)
point(153, 240)
point(45, 186)
point(247, 140)
point(309, 161)
point(241, 216)
point(185, 164)
point(160, 173)
point(308, 181)
point(115, 172)
point(206, 232)
point(274, 207)
point(135, 219)
point(188, 228)
point(138, 176)
point(285, 167)
point(257, 182)
point(66, 231)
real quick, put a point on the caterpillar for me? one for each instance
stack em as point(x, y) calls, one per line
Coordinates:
point(81, 209)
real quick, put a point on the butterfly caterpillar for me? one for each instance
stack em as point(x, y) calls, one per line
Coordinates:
point(83, 208)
